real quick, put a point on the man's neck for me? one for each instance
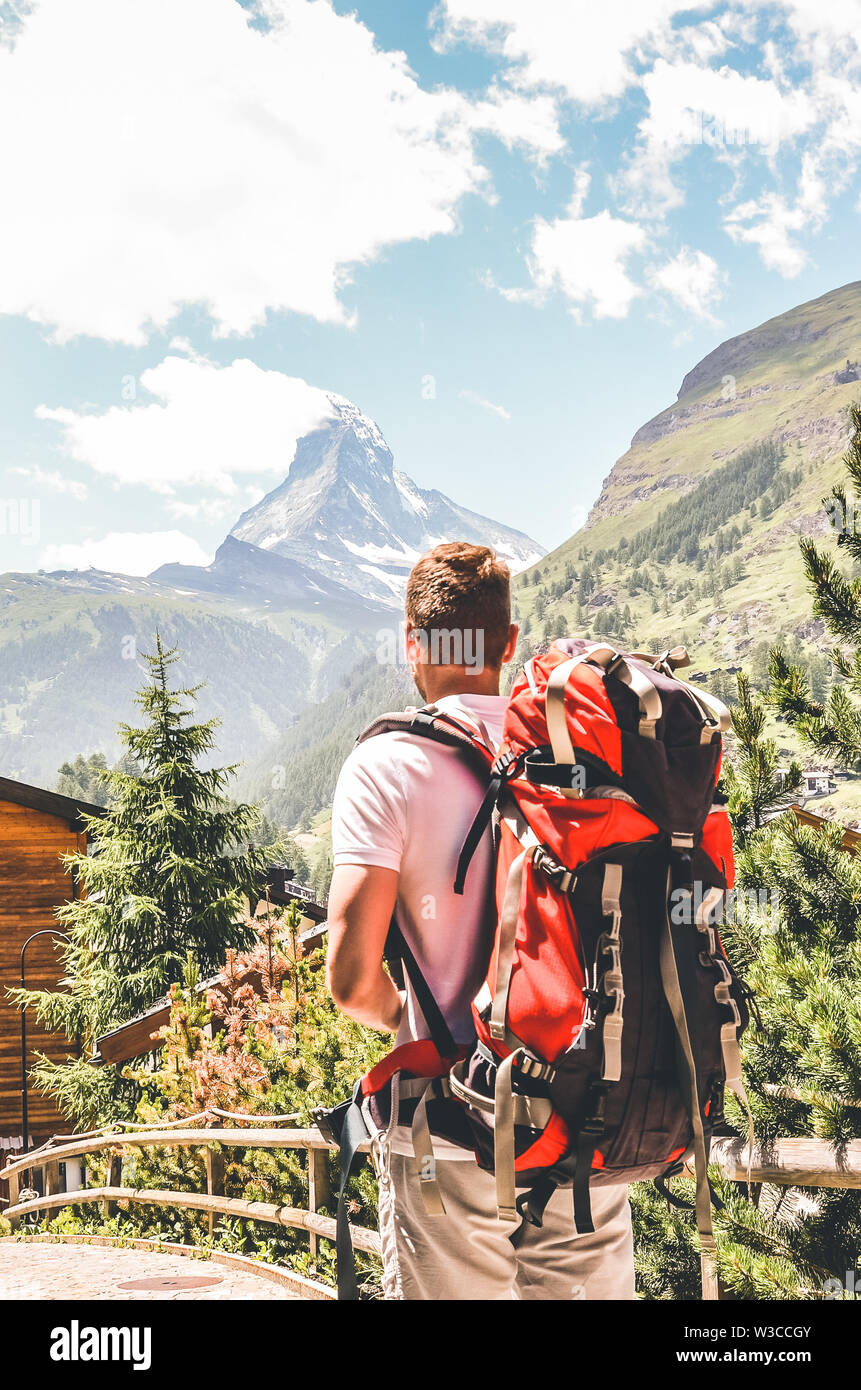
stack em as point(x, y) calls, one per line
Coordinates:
point(440, 682)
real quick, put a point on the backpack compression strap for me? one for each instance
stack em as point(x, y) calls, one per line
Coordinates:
point(440, 727)
point(688, 1077)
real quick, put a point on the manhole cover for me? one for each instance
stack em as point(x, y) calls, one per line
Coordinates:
point(172, 1281)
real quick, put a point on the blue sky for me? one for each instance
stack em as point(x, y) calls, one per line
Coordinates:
point(504, 228)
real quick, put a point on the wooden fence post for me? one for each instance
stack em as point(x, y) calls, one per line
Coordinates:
point(214, 1178)
point(113, 1178)
point(52, 1178)
point(319, 1188)
point(14, 1181)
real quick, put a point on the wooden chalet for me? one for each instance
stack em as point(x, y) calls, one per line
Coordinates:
point(37, 828)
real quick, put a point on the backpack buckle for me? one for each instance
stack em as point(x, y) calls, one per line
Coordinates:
point(594, 1122)
point(609, 945)
point(561, 877)
point(534, 1068)
point(503, 764)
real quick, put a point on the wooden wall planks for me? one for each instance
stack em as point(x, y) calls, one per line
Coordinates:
point(33, 883)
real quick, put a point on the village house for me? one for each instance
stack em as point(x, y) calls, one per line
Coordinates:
point(37, 828)
point(818, 781)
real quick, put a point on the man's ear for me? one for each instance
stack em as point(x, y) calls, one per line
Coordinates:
point(412, 647)
point(511, 643)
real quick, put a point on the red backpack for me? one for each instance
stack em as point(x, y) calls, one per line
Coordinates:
point(607, 1028)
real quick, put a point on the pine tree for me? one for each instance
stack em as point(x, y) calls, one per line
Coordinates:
point(751, 778)
point(802, 957)
point(84, 778)
point(792, 934)
point(832, 726)
point(802, 953)
point(166, 879)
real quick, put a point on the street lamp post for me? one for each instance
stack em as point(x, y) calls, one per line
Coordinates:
point(25, 1109)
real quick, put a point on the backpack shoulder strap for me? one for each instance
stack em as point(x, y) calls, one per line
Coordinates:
point(398, 950)
point(441, 727)
point(437, 726)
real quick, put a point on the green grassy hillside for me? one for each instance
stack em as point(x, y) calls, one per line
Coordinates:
point(294, 779)
point(785, 388)
point(694, 537)
point(69, 665)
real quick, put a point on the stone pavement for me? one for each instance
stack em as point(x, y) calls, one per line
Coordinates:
point(33, 1270)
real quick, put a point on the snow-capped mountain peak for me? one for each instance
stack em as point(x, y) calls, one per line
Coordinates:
point(345, 511)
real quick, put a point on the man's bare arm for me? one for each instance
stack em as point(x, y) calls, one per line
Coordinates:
point(361, 902)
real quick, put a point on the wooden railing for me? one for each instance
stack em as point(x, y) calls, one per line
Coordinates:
point(791, 1162)
point(213, 1202)
point(785, 1162)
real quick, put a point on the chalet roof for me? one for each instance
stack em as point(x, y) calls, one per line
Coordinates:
point(66, 808)
point(134, 1037)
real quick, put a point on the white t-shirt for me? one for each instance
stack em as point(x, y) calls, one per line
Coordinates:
point(405, 803)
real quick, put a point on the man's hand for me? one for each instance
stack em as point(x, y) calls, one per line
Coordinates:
point(361, 902)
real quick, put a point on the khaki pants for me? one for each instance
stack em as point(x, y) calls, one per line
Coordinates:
point(466, 1254)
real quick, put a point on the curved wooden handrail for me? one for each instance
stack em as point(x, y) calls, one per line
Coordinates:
point(212, 1203)
point(791, 1162)
point(294, 1217)
point(786, 1162)
point(177, 1138)
point(187, 1120)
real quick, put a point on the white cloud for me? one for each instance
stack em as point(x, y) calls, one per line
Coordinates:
point(768, 223)
point(693, 279)
point(553, 45)
point(514, 294)
point(519, 121)
point(47, 480)
point(693, 109)
point(475, 399)
point(168, 154)
point(586, 258)
point(210, 509)
point(206, 424)
point(126, 552)
point(814, 19)
point(773, 223)
point(785, 99)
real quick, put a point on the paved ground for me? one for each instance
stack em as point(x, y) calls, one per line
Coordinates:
point(43, 1271)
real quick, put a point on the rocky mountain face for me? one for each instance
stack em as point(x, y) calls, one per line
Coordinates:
point(347, 515)
point(244, 571)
